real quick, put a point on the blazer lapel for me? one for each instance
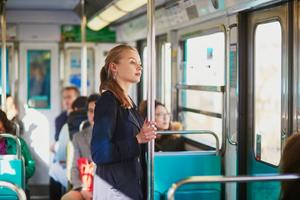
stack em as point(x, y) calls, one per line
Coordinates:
point(134, 120)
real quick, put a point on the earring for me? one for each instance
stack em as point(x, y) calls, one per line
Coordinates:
point(115, 76)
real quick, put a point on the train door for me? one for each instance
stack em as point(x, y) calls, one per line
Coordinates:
point(264, 97)
point(39, 93)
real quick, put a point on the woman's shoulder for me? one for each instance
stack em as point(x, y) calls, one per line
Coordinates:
point(108, 99)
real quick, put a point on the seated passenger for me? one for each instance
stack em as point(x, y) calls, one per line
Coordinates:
point(8, 146)
point(13, 113)
point(163, 122)
point(81, 142)
point(58, 171)
point(290, 164)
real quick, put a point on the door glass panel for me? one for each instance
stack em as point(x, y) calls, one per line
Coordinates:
point(73, 71)
point(267, 92)
point(39, 70)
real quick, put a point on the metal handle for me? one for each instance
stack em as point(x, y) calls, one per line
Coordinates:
point(17, 128)
point(18, 143)
point(81, 126)
point(228, 179)
point(200, 132)
point(20, 193)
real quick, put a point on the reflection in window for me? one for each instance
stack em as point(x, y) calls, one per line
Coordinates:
point(267, 92)
point(38, 65)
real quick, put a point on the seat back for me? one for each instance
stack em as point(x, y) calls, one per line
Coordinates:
point(12, 169)
point(170, 167)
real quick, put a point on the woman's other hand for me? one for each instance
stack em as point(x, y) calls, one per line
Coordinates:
point(147, 132)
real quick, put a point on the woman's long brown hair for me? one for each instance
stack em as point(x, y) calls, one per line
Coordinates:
point(107, 80)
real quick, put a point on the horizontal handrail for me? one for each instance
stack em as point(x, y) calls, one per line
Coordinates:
point(20, 193)
point(17, 140)
point(228, 179)
point(199, 111)
point(188, 132)
point(204, 88)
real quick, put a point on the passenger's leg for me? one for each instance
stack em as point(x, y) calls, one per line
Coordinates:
point(57, 190)
point(72, 195)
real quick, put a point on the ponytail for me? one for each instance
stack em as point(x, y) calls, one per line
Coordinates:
point(107, 80)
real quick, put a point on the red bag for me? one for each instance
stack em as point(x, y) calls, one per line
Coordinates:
point(86, 172)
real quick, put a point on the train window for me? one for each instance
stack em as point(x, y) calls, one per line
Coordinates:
point(7, 71)
point(39, 70)
point(166, 74)
point(73, 69)
point(267, 92)
point(204, 68)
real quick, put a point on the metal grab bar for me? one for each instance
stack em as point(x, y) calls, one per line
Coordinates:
point(203, 88)
point(17, 128)
point(81, 126)
point(227, 179)
point(18, 143)
point(20, 193)
point(200, 132)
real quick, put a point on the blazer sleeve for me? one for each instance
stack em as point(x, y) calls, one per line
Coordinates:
point(103, 149)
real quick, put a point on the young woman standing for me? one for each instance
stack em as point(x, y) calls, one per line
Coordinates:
point(119, 132)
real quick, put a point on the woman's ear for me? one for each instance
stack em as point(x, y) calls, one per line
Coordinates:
point(113, 67)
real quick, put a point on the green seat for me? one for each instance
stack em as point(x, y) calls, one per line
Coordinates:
point(11, 170)
point(170, 167)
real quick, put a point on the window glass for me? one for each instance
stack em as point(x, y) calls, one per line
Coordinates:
point(39, 70)
point(204, 65)
point(166, 75)
point(267, 92)
point(73, 71)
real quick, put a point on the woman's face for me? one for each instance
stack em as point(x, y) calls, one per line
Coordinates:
point(128, 69)
point(162, 118)
point(2, 128)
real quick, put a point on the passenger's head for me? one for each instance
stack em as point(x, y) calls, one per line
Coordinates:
point(80, 103)
point(290, 163)
point(91, 107)
point(11, 107)
point(122, 68)
point(5, 124)
point(162, 115)
point(69, 94)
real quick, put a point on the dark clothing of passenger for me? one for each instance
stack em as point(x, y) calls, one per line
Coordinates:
point(119, 157)
point(60, 120)
point(169, 143)
point(20, 123)
point(56, 190)
point(74, 120)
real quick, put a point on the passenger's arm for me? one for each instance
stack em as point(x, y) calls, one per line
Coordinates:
point(75, 176)
point(103, 149)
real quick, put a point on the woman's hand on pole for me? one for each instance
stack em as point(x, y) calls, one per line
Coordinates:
point(147, 132)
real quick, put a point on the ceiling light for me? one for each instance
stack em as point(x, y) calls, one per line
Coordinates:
point(96, 24)
point(113, 12)
point(130, 5)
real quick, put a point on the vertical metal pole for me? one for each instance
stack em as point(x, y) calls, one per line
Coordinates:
point(3, 63)
point(151, 74)
point(15, 85)
point(83, 50)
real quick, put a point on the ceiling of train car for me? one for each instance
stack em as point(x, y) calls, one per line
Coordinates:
point(41, 4)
